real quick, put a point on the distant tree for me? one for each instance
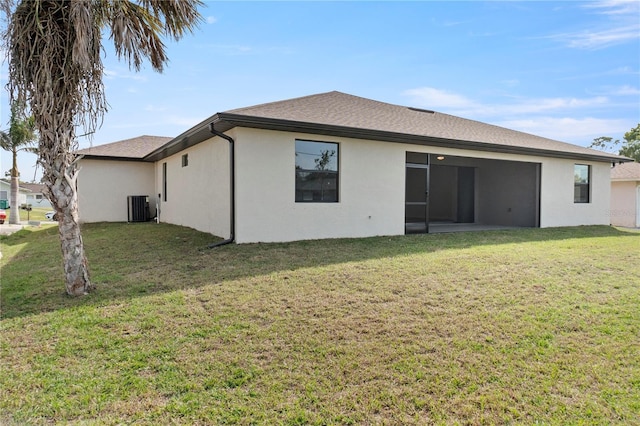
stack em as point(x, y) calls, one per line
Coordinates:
point(19, 137)
point(55, 50)
point(325, 159)
point(322, 164)
point(629, 148)
point(605, 143)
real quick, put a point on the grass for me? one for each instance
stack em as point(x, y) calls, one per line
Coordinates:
point(524, 326)
point(36, 213)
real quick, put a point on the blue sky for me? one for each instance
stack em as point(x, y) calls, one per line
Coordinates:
point(565, 70)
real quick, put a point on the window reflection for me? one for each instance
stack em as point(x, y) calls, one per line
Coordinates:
point(316, 171)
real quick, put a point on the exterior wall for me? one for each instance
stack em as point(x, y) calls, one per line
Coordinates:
point(36, 202)
point(103, 187)
point(624, 203)
point(371, 189)
point(557, 206)
point(5, 194)
point(197, 195)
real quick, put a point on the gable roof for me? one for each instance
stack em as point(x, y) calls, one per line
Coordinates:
point(37, 188)
point(340, 114)
point(21, 187)
point(128, 149)
point(626, 171)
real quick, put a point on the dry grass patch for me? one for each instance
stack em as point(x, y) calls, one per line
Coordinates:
point(499, 327)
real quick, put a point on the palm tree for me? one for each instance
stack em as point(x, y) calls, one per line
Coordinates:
point(55, 66)
point(18, 137)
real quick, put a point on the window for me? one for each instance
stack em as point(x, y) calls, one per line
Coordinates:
point(185, 160)
point(164, 181)
point(316, 172)
point(581, 183)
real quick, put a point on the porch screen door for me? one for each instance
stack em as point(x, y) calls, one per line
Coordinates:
point(416, 206)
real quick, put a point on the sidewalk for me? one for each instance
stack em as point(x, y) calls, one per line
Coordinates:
point(8, 229)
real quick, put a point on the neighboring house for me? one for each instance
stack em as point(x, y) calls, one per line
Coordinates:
point(625, 195)
point(36, 197)
point(5, 194)
point(334, 165)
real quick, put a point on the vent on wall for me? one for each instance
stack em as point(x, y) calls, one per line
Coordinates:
point(137, 208)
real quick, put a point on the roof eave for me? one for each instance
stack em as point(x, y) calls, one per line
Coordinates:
point(228, 121)
point(111, 158)
point(630, 179)
point(195, 135)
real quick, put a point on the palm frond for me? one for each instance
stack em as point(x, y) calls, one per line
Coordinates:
point(137, 29)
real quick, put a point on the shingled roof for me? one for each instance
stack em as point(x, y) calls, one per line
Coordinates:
point(128, 149)
point(340, 114)
point(33, 187)
point(626, 171)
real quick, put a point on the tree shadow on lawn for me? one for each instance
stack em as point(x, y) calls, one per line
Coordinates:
point(141, 259)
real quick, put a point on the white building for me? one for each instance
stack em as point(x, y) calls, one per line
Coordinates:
point(625, 195)
point(334, 165)
point(5, 194)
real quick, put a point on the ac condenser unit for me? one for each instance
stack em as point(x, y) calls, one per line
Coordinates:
point(137, 208)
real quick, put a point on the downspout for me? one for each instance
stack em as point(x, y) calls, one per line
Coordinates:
point(232, 189)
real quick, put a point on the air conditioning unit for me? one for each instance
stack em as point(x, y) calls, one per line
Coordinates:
point(137, 208)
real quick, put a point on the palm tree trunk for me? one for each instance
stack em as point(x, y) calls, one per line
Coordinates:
point(75, 262)
point(14, 212)
point(60, 175)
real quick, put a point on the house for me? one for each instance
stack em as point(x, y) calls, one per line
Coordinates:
point(112, 172)
point(334, 165)
point(5, 194)
point(36, 197)
point(625, 195)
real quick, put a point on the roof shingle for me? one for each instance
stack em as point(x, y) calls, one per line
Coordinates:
point(344, 110)
point(134, 148)
point(626, 171)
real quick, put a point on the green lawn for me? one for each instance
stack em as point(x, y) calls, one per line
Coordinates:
point(36, 213)
point(521, 327)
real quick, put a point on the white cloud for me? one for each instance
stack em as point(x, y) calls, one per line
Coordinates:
point(619, 24)
point(580, 131)
point(436, 98)
point(621, 91)
point(614, 7)
point(454, 103)
point(561, 118)
point(592, 40)
point(627, 91)
point(211, 19)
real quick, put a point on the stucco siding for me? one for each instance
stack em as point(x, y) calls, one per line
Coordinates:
point(624, 203)
point(36, 202)
point(372, 183)
point(5, 194)
point(197, 195)
point(371, 190)
point(557, 202)
point(103, 187)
